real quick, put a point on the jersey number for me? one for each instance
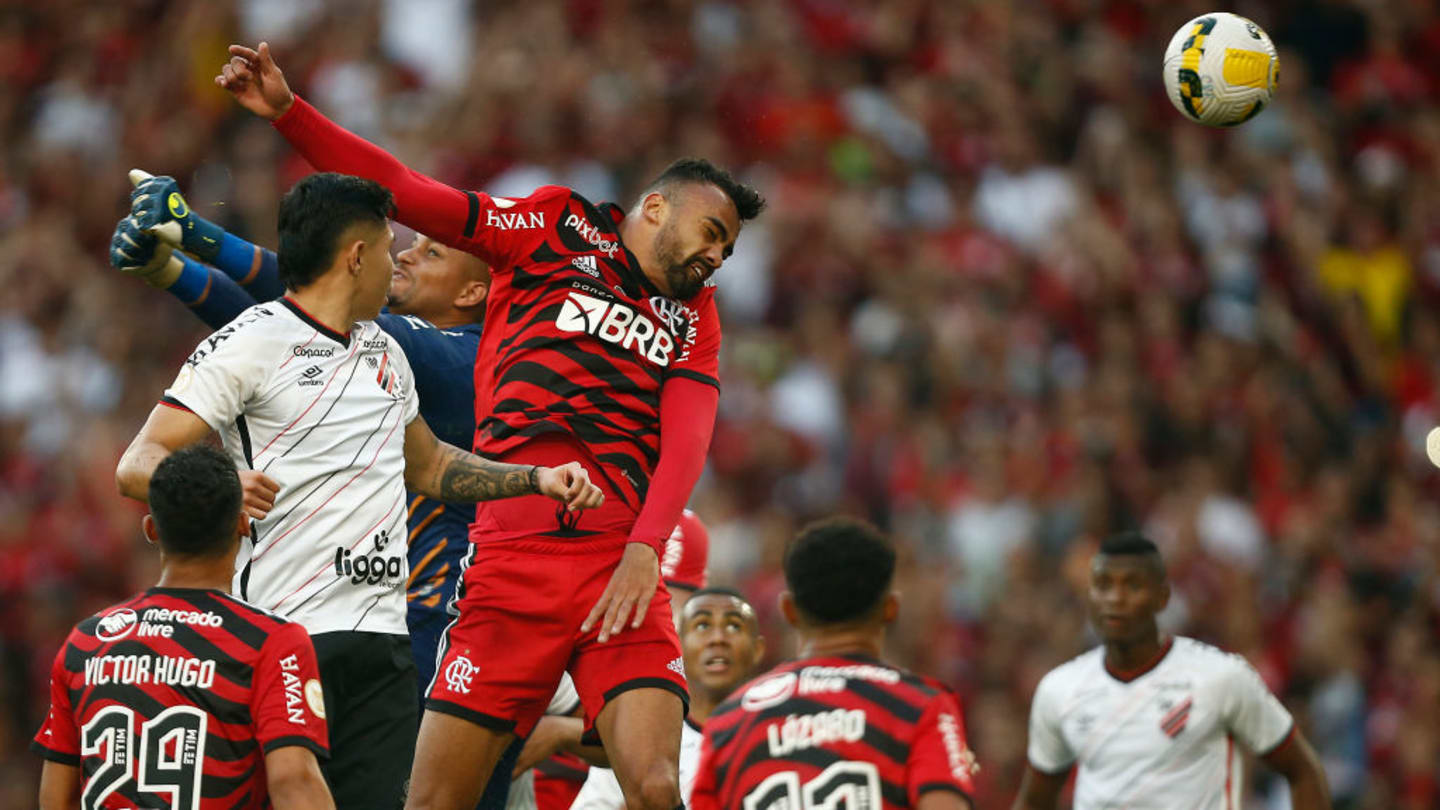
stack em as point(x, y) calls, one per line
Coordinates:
point(172, 751)
point(842, 786)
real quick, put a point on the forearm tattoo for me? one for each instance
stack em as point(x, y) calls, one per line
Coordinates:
point(464, 478)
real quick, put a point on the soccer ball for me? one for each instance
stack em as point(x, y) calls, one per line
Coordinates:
point(1220, 69)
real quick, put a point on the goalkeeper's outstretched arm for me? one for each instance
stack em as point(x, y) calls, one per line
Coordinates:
point(213, 296)
point(158, 207)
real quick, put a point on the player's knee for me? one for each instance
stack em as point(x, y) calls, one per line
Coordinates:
point(658, 790)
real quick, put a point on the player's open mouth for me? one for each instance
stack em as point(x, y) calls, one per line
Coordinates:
point(716, 664)
point(697, 270)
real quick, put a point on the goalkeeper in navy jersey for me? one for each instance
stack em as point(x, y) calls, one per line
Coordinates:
point(434, 308)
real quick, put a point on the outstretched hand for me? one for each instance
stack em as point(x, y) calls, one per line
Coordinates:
point(255, 81)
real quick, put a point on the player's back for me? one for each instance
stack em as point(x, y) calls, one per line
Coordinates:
point(173, 698)
point(811, 732)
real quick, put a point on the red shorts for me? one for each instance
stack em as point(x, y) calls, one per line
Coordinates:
point(521, 606)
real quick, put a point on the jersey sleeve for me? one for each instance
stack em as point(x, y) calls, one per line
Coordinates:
point(496, 229)
point(1048, 752)
point(222, 375)
point(58, 740)
point(286, 699)
point(601, 791)
point(939, 757)
point(1252, 714)
point(699, 358)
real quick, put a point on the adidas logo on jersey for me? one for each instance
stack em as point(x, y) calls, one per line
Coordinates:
point(587, 265)
point(617, 323)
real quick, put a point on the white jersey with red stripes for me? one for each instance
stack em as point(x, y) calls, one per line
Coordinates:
point(1167, 736)
point(323, 414)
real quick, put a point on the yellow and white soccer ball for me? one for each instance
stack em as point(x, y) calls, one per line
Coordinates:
point(1220, 69)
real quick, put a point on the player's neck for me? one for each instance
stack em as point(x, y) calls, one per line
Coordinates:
point(631, 237)
point(842, 641)
point(1134, 656)
point(702, 703)
point(196, 574)
point(326, 301)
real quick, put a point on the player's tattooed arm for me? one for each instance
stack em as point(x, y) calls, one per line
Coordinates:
point(445, 472)
point(464, 477)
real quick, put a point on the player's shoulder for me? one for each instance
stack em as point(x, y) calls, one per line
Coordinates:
point(111, 623)
point(1204, 659)
point(1194, 652)
point(257, 328)
point(768, 689)
point(1076, 672)
point(539, 198)
point(264, 619)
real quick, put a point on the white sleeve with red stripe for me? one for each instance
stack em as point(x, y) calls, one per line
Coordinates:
point(1253, 715)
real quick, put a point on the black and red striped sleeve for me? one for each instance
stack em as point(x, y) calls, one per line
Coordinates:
point(287, 701)
point(940, 758)
point(58, 740)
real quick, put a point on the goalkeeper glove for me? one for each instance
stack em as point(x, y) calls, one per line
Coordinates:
point(137, 253)
point(157, 206)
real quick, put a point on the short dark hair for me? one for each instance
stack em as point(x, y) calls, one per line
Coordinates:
point(720, 590)
point(1133, 544)
point(839, 570)
point(313, 216)
point(195, 501)
point(748, 202)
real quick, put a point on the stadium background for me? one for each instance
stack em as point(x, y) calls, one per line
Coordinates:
point(1005, 301)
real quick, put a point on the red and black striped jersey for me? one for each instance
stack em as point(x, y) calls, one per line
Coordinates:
point(577, 340)
point(833, 732)
point(173, 698)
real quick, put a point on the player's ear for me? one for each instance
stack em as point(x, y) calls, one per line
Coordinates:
point(759, 650)
point(472, 294)
point(352, 255)
point(788, 609)
point(655, 208)
point(890, 608)
point(242, 524)
point(1164, 595)
point(147, 525)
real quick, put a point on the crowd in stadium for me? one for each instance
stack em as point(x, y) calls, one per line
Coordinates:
point(1004, 303)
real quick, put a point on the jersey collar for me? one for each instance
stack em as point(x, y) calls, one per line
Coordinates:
point(313, 323)
point(1126, 676)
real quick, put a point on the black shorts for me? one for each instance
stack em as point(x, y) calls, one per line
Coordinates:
point(369, 681)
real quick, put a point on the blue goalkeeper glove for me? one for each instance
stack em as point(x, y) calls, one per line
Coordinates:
point(138, 253)
point(157, 206)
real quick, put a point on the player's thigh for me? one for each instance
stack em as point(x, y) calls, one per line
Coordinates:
point(641, 730)
point(369, 685)
point(454, 758)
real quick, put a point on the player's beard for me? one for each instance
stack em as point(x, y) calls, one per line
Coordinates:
point(683, 284)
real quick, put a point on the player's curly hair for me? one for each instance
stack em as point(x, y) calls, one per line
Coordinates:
point(313, 216)
point(839, 570)
point(195, 501)
point(748, 202)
